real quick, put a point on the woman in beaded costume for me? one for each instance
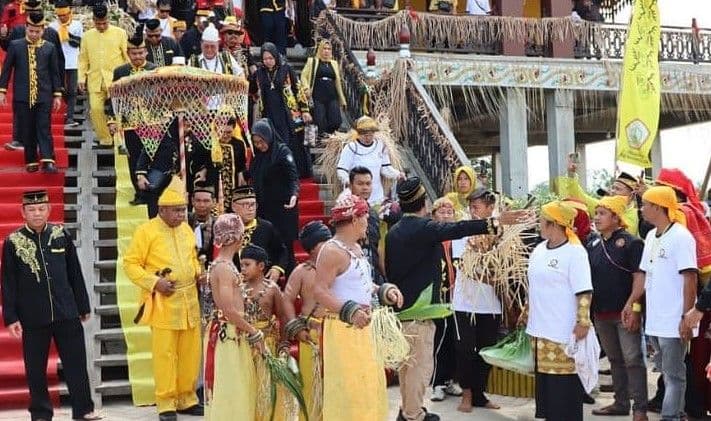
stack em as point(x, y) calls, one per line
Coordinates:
point(353, 380)
point(230, 378)
point(558, 272)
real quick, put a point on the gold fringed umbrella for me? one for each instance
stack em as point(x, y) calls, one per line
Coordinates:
point(151, 101)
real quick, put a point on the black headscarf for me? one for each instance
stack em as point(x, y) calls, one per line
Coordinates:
point(279, 72)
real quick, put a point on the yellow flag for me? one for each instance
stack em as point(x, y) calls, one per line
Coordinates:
point(640, 96)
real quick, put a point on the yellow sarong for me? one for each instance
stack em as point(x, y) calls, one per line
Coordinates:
point(309, 371)
point(234, 391)
point(286, 408)
point(353, 380)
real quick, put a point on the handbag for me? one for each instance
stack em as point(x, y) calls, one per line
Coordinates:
point(513, 353)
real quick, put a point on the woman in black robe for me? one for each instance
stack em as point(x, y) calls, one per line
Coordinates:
point(276, 184)
point(283, 101)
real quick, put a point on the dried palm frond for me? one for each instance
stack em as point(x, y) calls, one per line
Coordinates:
point(391, 346)
point(498, 261)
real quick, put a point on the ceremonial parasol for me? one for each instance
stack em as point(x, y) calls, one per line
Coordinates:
point(150, 101)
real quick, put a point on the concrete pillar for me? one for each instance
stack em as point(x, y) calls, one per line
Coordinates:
point(514, 144)
point(582, 166)
point(515, 9)
point(496, 171)
point(560, 108)
point(656, 155)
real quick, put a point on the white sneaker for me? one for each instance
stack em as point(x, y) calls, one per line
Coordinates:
point(438, 394)
point(453, 389)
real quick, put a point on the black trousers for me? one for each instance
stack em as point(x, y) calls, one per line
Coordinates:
point(134, 148)
point(444, 351)
point(70, 95)
point(274, 28)
point(68, 335)
point(475, 333)
point(33, 130)
point(559, 397)
point(327, 115)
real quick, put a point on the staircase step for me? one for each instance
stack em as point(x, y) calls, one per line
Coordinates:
point(107, 310)
point(113, 360)
point(114, 388)
point(105, 264)
point(105, 288)
point(105, 243)
point(110, 334)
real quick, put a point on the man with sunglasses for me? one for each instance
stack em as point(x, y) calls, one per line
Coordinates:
point(163, 16)
point(234, 41)
point(161, 48)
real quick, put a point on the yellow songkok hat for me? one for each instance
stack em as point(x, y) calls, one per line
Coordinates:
point(665, 197)
point(174, 194)
point(563, 215)
point(179, 24)
point(616, 205)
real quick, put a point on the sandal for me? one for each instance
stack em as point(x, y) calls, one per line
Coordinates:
point(613, 409)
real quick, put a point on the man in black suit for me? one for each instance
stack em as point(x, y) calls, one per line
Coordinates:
point(19, 32)
point(161, 50)
point(413, 256)
point(136, 50)
point(36, 81)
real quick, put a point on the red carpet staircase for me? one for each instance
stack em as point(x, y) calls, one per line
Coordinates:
point(14, 181)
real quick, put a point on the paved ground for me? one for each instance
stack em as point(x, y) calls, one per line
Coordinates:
point(512, 409)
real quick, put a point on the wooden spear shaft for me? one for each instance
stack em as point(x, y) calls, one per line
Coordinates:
point(705, 184)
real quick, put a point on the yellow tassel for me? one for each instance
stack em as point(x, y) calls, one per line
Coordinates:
point(390, 343)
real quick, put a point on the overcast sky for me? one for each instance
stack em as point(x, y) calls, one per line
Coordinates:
point(686, 147)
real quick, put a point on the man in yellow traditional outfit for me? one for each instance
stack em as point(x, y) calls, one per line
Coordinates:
point(162, 261)
point(623, 185)
point(102, 50)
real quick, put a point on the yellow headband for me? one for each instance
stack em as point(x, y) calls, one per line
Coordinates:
point(563, 215)
point(616, 205)
point(665, 197)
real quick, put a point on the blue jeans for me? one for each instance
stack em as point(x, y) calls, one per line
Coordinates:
point(669, 358)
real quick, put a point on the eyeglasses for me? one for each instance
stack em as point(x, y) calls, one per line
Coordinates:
point(164, 11)
point(153, 35)
point(247, 205)
point(234, 32)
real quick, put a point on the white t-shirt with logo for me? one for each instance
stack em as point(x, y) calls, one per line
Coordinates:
point(663, 259)
point(555, 276)
point(472, 296)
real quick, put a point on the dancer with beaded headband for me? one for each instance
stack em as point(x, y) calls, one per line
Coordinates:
point(230, 377)
point(345, 289)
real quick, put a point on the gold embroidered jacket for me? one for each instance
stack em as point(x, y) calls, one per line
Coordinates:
point(41, 278)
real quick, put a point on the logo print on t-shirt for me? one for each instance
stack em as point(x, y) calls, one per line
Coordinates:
point(662, 253)
point(553, 263)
